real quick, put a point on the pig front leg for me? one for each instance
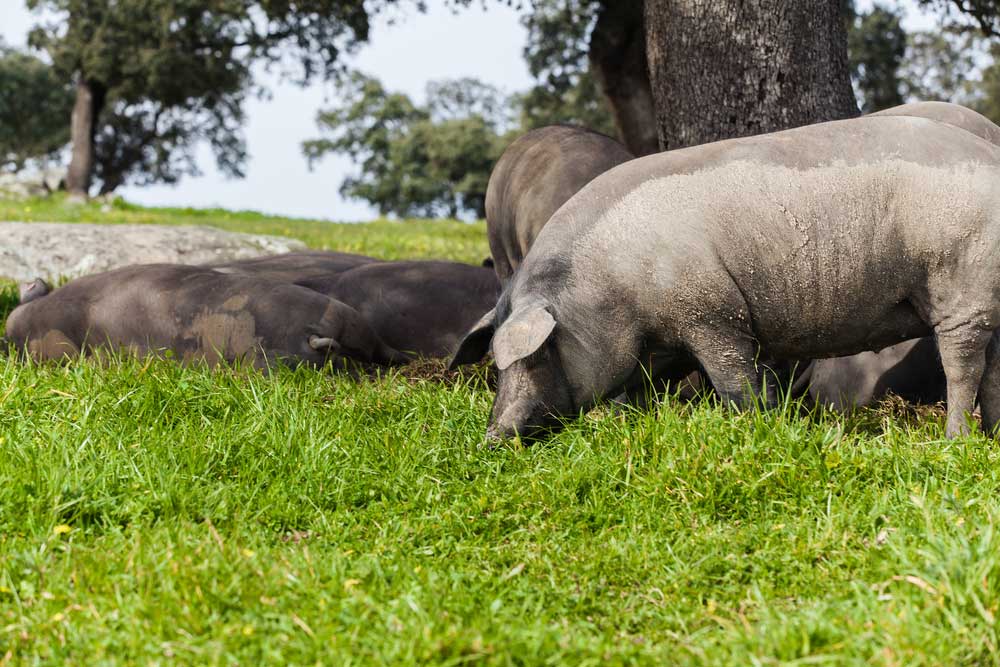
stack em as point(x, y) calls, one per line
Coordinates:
point(729, 359)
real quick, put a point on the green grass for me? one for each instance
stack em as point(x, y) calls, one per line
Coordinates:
point(227, 517)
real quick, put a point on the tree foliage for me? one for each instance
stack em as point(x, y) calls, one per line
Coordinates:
point(877, 48)
point(941, 65)
point(954, 63)
point(987, 101)
point(556, 52)
point(150, 142)
point(179, 71)
point(981, 15)
point(415, 160)
point(34, 109)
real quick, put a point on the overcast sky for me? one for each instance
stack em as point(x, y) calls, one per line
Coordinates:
point(416, 49)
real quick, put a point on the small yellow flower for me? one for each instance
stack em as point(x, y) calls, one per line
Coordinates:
point(249, 553)
point(61, 529)
point(247, 630)
point(57, 618)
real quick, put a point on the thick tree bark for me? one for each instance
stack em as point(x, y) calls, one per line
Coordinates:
point(83, 126)
point(617, 56)
point(731, 68)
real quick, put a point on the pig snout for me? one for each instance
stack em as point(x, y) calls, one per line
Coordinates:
point(529, 400)
point(520, 419)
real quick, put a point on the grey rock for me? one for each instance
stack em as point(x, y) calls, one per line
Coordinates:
point(25, 184)
point(61, 250)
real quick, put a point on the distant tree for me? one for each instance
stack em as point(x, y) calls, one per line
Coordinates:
point(556, 54)
point(416, 161)
point(588, 58)
point(164, 66)
point(34, 106)
point(461, 98)
point(941, 65)
point(987, 99)
point(151, 143)
point(876, 48)
point(980, 15)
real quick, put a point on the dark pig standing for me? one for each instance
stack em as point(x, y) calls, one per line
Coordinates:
point(536, 175)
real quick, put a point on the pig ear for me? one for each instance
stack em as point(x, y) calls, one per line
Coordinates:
point(476, 343)
point(323, 343)
point(37, 288)
point(522, 335)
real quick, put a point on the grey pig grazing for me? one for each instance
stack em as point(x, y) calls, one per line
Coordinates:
point(536, 175)
point(198, 314)
point(911, 370)
point(822, 241)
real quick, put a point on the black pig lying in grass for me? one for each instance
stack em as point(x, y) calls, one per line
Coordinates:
point(423, 307)
point(195, 313)
point(293, 267)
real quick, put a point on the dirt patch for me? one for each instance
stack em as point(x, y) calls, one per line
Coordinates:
point(436, 370)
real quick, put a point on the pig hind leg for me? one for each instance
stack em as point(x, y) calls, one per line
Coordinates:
point(989, 387)
point(963, 355)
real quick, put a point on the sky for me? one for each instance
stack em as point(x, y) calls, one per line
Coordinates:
point(415, 49)
point(404, 54)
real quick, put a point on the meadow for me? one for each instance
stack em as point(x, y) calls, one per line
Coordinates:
point(154, 514)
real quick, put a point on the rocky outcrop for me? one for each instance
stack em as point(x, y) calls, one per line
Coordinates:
point(24, 184)
point(58, 250)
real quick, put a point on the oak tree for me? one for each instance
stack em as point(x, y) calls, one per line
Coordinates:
point(727, 68)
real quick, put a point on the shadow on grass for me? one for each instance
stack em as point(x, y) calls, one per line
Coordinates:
point(872, 421)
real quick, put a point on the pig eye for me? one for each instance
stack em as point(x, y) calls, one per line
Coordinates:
point(538, 357)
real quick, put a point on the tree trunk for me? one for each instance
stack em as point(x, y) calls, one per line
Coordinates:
point(731, 68)
point(617, 56)
point(83, 126)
